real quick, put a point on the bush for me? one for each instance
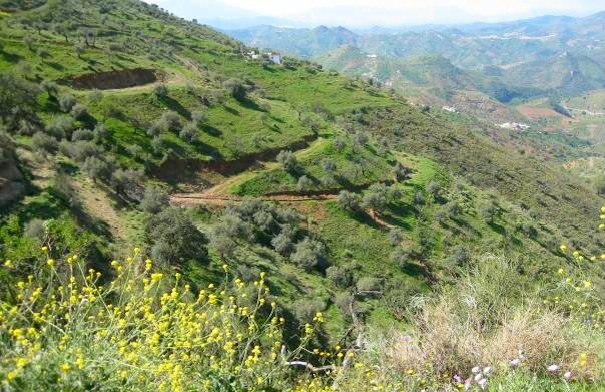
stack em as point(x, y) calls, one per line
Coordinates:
point(306, 309)
point(49, 87)
point(175, 238)
point(125, 181)
point(369, 285)
point(189, 133)
point(82, 134)
point(154, 200)
point(97, 169)
point(304, 183)
point(376, 198)
point(349, 201)
point(309, 254)
point(235, 88)
point(288, 161)
point(341, 276)
point(79, 112)
point(198, 117)
point(283, 243)
point(79, 150)
point(67, 102)
point(100, 133)
point(45, 143)
point(160, 90)
point(401, 257)
point(170, 121)
point(61, 126)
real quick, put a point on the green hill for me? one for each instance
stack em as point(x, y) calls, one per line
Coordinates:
point(141, 145)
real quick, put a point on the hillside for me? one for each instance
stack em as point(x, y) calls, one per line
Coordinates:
point(248, 218)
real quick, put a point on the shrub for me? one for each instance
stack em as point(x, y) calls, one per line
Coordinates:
point(349, 200)
point(82, 134)
point(154, 200)
point(100, 133)
point(235, 88)
point(288, 161)
point(67, 102)
point(189, 133)
point(198, 117)
point(45, 143)
point(79, 150)
point(306, 309)
point(175, 238)
point(160, 90)
point(96, 168)
point(369, 285)
point(124, 181)
point(170, 121)
point(79, 112)
point(49, 87)
point(309, 254)
point(61, 126)
point(304, 183)
point(376, 198)
point(341, 276)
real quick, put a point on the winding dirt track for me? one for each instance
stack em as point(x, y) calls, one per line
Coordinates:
point(192, 199)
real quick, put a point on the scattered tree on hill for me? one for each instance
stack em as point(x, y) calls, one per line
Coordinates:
point(79, 50)
point(401, 172)
point(45, 143)
point(95, 96)
point(154, 200)
point(349, 200)
point(433, 188)
point(488, 211)
point(401, 257)
point(17, 97)
point(342, 276)
point(283, 243)
point(124, 180)
point(49, 87)
point(79, 112)
point(288, 161)
point(304, 183)
point(235, 88)
point(309, 254)
point(160, 90)
point(82, 134)
point(396, 236)
point(100, 133)
point(97, 169)
point(339, 144)
point(61, 29)
point(42, 53)
point(171, 121)
point(60, 126)
point(189, 133)
point(28, 40)
point(328, 165)
point(376, 198)
point(198, 118)
point(175, 238)
point(67, 102)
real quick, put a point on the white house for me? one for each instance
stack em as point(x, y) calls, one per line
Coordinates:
point(275, 57)
point(450, 109)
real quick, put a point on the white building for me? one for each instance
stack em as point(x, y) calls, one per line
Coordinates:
point(275, 57)
point(450, 109)
point(514, 125)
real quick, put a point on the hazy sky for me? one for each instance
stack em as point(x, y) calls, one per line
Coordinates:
point(358, 13)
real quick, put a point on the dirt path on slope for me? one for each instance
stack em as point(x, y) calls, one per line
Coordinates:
point(98, 205)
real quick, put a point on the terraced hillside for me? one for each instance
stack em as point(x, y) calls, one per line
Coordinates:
point(125, 127)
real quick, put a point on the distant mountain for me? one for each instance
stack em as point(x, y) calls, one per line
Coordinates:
point(298, 42)
point(506, 60)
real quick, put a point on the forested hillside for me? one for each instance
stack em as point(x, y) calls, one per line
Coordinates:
point(177, 214)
